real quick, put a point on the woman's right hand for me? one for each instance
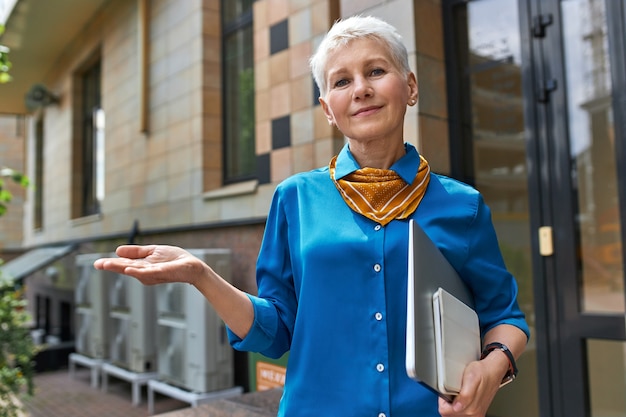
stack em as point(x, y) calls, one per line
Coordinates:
point(154, 264)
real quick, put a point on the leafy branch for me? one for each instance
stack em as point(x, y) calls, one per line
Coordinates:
point(17, 348)
point(5, 195)
point(5, 64)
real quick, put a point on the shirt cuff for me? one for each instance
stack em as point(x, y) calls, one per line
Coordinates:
point(263, 330)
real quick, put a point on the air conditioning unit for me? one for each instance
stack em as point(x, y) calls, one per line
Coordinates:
point(92, 307)
point(132, 344)
point(193, 348)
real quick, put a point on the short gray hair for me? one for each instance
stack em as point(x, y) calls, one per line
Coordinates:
point(357, 27)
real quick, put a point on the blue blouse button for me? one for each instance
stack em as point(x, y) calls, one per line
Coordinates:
point(380, 367)
point(378, 316)
point(382, 415)
point(378, 227)
point(377, 267)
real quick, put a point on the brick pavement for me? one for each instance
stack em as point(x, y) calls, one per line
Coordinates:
point(58, 395)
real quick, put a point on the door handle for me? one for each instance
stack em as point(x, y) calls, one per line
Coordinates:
point(546, 247)
point(545, 89)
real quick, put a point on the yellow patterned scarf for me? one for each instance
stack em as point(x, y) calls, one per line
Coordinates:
point(381, 194)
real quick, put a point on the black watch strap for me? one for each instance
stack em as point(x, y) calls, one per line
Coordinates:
point(512, 372)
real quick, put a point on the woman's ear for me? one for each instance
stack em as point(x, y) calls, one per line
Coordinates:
point(327, 112)
point(413, 90)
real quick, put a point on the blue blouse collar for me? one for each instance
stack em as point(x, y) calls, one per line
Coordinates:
point(406, 166)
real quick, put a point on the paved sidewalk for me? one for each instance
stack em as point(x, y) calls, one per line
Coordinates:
point(58, 395)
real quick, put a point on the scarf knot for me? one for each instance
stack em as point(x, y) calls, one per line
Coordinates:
point(381, 194)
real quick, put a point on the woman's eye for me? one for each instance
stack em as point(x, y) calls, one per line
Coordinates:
point(341, 83)
point(377, 71)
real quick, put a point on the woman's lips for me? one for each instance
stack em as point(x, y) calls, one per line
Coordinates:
point(366, 110)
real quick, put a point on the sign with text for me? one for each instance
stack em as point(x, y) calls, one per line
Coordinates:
point(269, 376)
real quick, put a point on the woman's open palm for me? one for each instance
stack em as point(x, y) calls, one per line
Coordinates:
point(154, 264)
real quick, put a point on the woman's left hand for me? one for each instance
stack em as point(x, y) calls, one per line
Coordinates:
point(481, 381)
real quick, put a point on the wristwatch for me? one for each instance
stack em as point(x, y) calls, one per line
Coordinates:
point(511, 374)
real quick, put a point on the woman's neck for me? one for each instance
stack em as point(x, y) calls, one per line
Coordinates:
point(376, 154)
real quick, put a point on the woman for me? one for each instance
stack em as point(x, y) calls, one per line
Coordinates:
point(332, 267)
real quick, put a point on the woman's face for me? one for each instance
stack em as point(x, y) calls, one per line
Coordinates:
point(367, 94)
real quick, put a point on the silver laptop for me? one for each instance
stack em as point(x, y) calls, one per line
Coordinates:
point(428, 270)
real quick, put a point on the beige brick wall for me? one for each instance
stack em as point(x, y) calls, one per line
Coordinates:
point(433, 110)
point(12, 134)
point(284, 85)
point(159, 177)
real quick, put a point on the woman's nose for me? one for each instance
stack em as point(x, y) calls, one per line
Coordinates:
point(362, 88)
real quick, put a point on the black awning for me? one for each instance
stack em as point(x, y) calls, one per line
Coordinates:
point(33, 260)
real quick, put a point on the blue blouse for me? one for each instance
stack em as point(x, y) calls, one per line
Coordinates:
point(332, 291)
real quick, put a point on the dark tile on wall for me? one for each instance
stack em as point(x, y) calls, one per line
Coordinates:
point(279, 36)
point(263, 168)
point(281, 132)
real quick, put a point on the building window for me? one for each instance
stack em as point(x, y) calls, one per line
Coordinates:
point(38, 209)
point(88, 143)
point(238, 91)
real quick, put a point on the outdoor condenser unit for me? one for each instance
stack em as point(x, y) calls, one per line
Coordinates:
point(193, 348)
point(133, 328)
point(92, 307)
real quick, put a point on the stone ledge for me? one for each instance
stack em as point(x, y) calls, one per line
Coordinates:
point(252, 404)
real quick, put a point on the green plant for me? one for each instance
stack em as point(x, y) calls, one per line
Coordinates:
point(5, 64)
point(17, 348)
point(5, 195)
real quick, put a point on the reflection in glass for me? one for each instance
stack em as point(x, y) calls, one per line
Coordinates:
point(232, 10)
point(91, 81)
point(239, 111)
point(99, 127)
point(606, 361)
point(591, 131)
point(493, 118)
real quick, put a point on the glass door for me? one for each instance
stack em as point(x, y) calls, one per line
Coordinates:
point(573, 96)
point(577, 54)
point(590, 122)
point(538, 125)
